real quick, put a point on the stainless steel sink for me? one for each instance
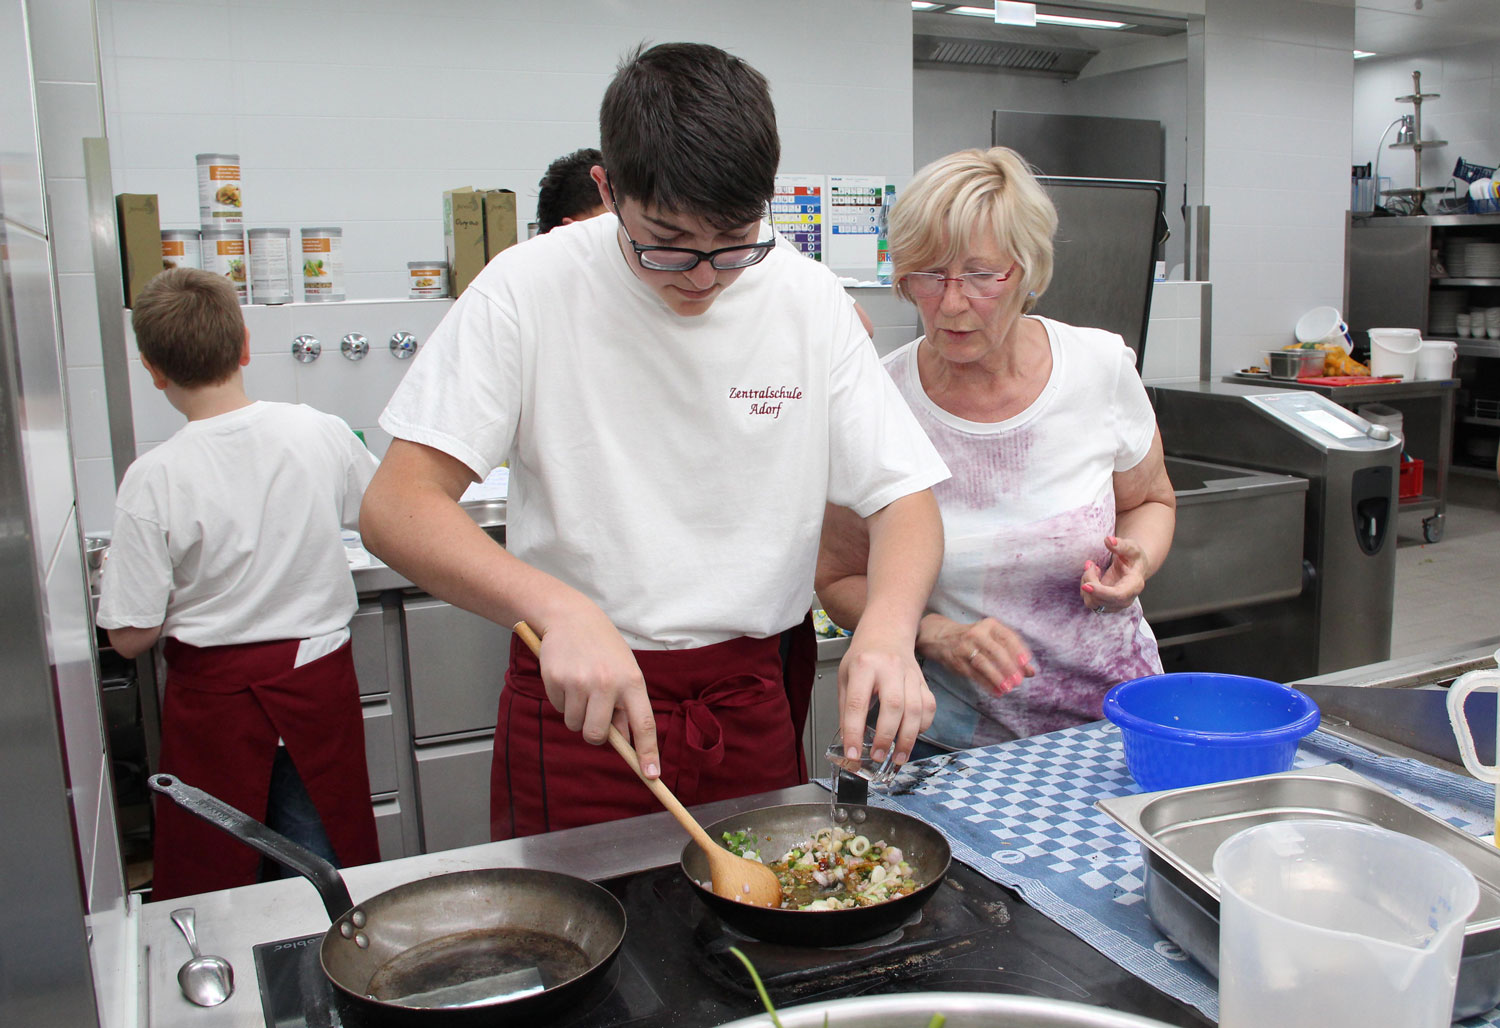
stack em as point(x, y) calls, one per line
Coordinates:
point(1238, 540)
point(488, 515)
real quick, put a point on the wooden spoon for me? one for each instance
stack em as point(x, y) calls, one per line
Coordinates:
point(734, 877)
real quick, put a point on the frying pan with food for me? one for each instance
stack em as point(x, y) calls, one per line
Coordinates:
point(778, 829)
point(465, 948)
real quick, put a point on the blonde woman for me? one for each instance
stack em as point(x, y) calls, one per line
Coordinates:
point(1059, 508)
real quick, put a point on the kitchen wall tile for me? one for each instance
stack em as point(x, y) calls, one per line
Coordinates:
point(272, 376)
point(356, 391)
point(186, 82)
point(112, 947)
point(176, 190)
point(78, 299)
point(67, 203)
point(155, 418)
point(96, 494)
point(62, 37)
point(88, 418)
point(270, 328)
point(145, 29)
point(376, 438)
point(169, 141)
point(67, 112)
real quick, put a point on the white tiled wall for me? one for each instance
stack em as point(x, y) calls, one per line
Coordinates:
point(1277, 95)
point(356, 391)
point(360, 114)
point(1175, 332)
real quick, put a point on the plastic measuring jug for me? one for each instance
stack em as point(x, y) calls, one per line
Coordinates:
point(1334, 924)
point(1457, 693)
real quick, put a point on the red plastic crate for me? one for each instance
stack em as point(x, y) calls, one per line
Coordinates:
point(1410, 482)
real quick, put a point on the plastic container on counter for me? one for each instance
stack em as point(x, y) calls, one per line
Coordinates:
point(270, 277)
point(429, 279)
point(1193, 728)
point(322, 264)
point(220, 201)
point(224, 254)
point(181, 248)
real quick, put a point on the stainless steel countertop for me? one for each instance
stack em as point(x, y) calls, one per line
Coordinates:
point(233, 921)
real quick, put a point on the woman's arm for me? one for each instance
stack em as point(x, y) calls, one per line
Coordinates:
point(1145, 519)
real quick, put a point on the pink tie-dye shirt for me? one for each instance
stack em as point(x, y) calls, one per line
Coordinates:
point(1030, 500)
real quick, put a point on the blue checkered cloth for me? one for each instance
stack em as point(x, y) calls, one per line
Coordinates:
point(1023, 814)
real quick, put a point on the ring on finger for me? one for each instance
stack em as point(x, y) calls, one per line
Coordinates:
point(973, 654)
point(1099, 609)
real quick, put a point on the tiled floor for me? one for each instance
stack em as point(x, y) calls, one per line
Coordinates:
point(1449, 592)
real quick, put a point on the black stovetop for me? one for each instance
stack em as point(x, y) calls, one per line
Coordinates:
point(674, 969)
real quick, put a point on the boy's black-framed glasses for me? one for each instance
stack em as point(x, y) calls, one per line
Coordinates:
point(682, 258)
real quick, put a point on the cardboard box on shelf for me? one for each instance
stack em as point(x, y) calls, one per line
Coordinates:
point(140, 241)
point(463, 235)
point(499, 221)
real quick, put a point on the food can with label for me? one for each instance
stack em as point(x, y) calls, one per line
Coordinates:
point(322, 264)
point(219, 200)
point(270, 278)
point(224, 254)
point(429, 279)
point(180, 248)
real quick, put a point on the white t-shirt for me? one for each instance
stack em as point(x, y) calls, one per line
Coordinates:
point(673, 469)
point(1031, 499)
point(229, 532)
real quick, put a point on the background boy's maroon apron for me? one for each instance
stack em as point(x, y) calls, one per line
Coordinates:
point(724, 729)
point(225, 708)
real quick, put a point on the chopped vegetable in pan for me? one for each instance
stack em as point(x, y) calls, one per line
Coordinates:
point(834, 870)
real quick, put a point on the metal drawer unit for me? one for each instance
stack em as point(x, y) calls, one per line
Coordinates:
point(375, 632)
point(455, 665)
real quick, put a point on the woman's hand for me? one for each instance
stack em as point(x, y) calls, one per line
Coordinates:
point(1115, 587)
point(987, 651)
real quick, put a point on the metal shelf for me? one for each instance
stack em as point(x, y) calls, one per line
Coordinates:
point(1424, 144)
point(1481, 282)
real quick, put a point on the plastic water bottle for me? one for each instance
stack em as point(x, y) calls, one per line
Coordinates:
point(884, 269)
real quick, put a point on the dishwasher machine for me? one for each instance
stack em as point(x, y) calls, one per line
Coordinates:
point(1334, 611)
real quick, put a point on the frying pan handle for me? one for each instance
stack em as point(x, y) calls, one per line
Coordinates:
point(323, 875)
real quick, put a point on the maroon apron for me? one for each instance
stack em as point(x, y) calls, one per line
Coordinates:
point(723, 727)
point(225, 708)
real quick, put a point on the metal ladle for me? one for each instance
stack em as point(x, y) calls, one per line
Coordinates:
point(205, 980)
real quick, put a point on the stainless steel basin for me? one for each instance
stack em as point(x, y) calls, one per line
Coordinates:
point(488, 515)
point(1238, 542)
point(961, 1010)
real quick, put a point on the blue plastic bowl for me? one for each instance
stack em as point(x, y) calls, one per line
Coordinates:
point(1193, 728)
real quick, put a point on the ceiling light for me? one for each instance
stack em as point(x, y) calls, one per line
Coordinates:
point(1360, 55)
point(1015, 12)
point(922, 5)
point(1041, 19)
point(1079, 23)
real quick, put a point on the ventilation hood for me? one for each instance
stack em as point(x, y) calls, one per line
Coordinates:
point(1035, 55)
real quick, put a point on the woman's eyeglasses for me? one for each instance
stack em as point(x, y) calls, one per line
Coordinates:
point(978, 285)
point(682, 258)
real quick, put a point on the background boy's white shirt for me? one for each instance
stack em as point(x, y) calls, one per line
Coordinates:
point(229, 532)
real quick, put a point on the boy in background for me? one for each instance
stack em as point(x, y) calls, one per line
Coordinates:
point(567, 192)
point(227, 543)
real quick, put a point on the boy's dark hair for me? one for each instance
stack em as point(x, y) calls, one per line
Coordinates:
point(188, 324)
point(691, 129)
point(567, 190)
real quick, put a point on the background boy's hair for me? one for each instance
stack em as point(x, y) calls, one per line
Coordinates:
point(690, 129)
point(567, 190)
point(188, 324)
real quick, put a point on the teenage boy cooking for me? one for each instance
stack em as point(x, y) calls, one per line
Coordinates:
point(677, 398)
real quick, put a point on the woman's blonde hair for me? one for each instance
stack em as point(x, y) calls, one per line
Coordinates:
point(972, 197)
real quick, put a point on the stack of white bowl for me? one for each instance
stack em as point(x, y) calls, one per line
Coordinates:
point(1444, 306)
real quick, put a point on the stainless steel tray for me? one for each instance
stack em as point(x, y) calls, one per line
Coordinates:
point(1180, 829)
point(1186, 826)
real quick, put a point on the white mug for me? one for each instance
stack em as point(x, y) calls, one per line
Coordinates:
point(1457, 693)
